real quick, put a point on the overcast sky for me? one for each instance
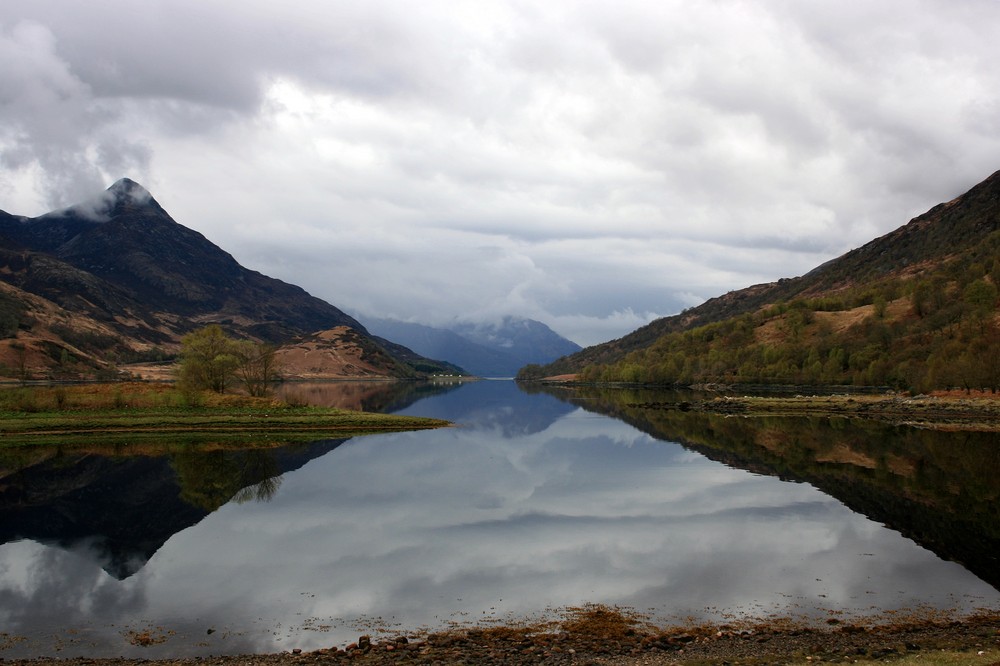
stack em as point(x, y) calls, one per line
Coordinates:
point(592, 165)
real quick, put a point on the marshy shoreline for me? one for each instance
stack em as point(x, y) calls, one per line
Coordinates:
point(130, 412)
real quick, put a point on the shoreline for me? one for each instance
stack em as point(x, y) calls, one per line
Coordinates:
point(977, 410)
point(936, 411)
point(602, 635)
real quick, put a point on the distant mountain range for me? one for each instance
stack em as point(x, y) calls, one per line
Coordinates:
point(916, 308)
point(114, 280)
point(486, 349)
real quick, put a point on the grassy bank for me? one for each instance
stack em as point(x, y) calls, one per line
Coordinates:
point(66, 414)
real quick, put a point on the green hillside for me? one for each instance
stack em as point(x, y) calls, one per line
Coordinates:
point(916, 308)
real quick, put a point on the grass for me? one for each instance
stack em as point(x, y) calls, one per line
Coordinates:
point(74, 414)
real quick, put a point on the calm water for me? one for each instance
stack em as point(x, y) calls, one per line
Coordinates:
point(533, 503)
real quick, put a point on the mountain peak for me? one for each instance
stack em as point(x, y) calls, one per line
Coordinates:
point(124, 193)
point(128, 189)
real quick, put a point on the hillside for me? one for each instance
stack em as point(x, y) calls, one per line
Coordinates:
point(916, 308)
point(115, 280)
point(346, 353)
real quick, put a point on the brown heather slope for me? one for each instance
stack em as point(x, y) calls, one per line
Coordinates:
point(338, 353)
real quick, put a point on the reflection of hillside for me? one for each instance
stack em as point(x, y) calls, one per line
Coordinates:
point(124, 509)
point(381, 396)
point(938, 488)
point(483, 405)
point(498, 406)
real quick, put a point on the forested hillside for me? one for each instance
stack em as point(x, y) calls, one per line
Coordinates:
point(916, 309)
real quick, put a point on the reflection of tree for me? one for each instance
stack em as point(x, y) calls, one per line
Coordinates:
point(263, 491)
point(210, 479)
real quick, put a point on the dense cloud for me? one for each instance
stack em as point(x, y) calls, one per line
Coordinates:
point(592, 165)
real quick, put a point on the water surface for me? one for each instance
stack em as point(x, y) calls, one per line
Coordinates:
point(534, 502)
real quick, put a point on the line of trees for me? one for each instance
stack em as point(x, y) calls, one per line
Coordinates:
point(212, 361)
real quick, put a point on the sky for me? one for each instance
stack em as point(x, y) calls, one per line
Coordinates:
point(593, 165)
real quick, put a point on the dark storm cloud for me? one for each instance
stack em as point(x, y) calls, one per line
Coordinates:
point(621, 159)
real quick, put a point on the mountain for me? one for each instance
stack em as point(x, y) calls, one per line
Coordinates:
point(520, 337)
point(486, 349)
point(116, 279)
point(126, 238)
point(915, 308)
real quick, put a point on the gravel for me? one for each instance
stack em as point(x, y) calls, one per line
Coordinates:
point(598, 635)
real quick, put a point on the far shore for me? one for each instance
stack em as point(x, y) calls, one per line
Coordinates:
point(938, 412)
point(941, 410)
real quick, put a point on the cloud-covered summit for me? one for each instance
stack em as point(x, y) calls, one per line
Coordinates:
point(101, 207)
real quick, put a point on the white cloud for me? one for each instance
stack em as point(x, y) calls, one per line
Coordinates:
point(612, 156)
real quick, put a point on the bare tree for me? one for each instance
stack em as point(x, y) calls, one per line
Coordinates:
point(256, 366)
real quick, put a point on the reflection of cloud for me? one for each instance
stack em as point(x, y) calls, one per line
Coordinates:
point(54, 588)
point(413, 523)
point(471, 522)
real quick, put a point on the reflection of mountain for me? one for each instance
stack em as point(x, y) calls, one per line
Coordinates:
point(494, 405)
point(937, 488)
point(125, 508)
point(376, 396)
